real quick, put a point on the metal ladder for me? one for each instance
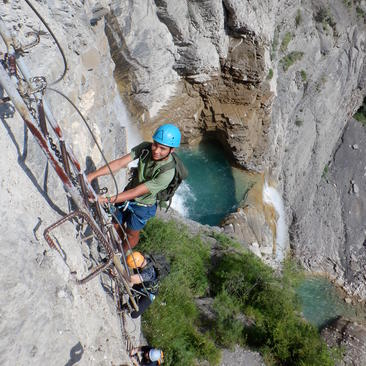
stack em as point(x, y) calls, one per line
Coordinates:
point(26, 93)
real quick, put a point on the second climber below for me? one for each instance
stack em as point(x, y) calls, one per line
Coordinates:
point(138, 202)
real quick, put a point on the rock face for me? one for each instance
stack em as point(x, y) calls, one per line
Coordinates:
point(314, 116)
point(350, 336)
point(338, 245)
point(46, 318)
point(212, 81)
point(241, 357)
point(274, 81)
point(254, 224)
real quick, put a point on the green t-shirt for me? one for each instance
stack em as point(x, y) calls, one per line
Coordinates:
point(147, 173)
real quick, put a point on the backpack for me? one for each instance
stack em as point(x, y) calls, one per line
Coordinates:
point(161, 267)
point(165, 196)
point(181, 173)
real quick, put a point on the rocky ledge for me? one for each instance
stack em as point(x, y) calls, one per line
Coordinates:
point(350, 337)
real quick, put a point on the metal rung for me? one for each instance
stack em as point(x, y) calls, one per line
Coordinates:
point(96, 233)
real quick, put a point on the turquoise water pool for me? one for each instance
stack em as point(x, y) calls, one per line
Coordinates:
point(321, 302)
point(213, 188)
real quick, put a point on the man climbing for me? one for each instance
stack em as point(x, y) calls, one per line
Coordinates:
point(144, 281)
point(146, 356)
point(155, 171)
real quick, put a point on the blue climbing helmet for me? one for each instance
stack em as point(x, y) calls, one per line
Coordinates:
point(156, 355)
point(168, 135)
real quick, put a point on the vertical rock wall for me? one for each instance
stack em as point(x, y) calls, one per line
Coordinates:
point(45, 317)
point(316, 96)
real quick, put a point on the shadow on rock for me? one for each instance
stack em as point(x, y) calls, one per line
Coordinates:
point(76, 353)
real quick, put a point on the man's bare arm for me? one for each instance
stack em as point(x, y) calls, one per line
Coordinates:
point(115, 166)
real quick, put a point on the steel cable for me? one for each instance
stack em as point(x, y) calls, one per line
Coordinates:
point(93, 136)
point(56, 41)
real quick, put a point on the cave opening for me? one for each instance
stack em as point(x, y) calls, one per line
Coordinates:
point(214, 187)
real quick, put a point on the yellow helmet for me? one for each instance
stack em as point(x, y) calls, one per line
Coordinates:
point(135, 260)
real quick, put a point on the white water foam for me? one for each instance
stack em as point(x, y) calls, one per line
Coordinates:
point(181, 199)
point(132, 133)
point(272, 197)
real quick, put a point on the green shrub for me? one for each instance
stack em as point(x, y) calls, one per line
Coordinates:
point(224, 242)
point(298, 18)
point(188, 255)
point(245, 291)
point(290, 59)
point(299, 122)
point(303, 75)
point(285, 41)
point(227, 329)
point(324, 16)
point(348, 3)
point(360, 115)
point(270, 74)
point(278, 328)
point(360, 13)
point(172, 321)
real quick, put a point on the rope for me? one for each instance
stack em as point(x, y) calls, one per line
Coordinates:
point(93, 136)
point(55, 39)
point(129, 247)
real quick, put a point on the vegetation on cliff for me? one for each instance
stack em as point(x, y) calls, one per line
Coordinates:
point(251, 305)
point(361, 113)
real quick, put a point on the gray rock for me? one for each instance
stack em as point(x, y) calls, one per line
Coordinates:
point(46, 318)
point(144, 54)
point(241, 357)
point(351, 337)
point(337, 245)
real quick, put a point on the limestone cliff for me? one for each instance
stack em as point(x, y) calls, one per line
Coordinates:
point(46, 318)
point(274, 81)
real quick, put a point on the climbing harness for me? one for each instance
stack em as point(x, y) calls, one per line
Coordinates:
point(27, 95)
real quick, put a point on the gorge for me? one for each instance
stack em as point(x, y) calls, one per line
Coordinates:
point(276, 82)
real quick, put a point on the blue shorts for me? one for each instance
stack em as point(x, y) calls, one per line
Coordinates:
point(135, 216)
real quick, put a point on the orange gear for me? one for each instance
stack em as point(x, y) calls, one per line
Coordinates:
point(135, 260)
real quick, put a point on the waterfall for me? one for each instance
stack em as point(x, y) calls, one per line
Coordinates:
point(272, 197)
point(181, 199)
point(132, 133)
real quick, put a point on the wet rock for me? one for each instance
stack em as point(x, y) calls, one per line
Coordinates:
point(254, 248)
point(205, 306)
point(351, 337)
